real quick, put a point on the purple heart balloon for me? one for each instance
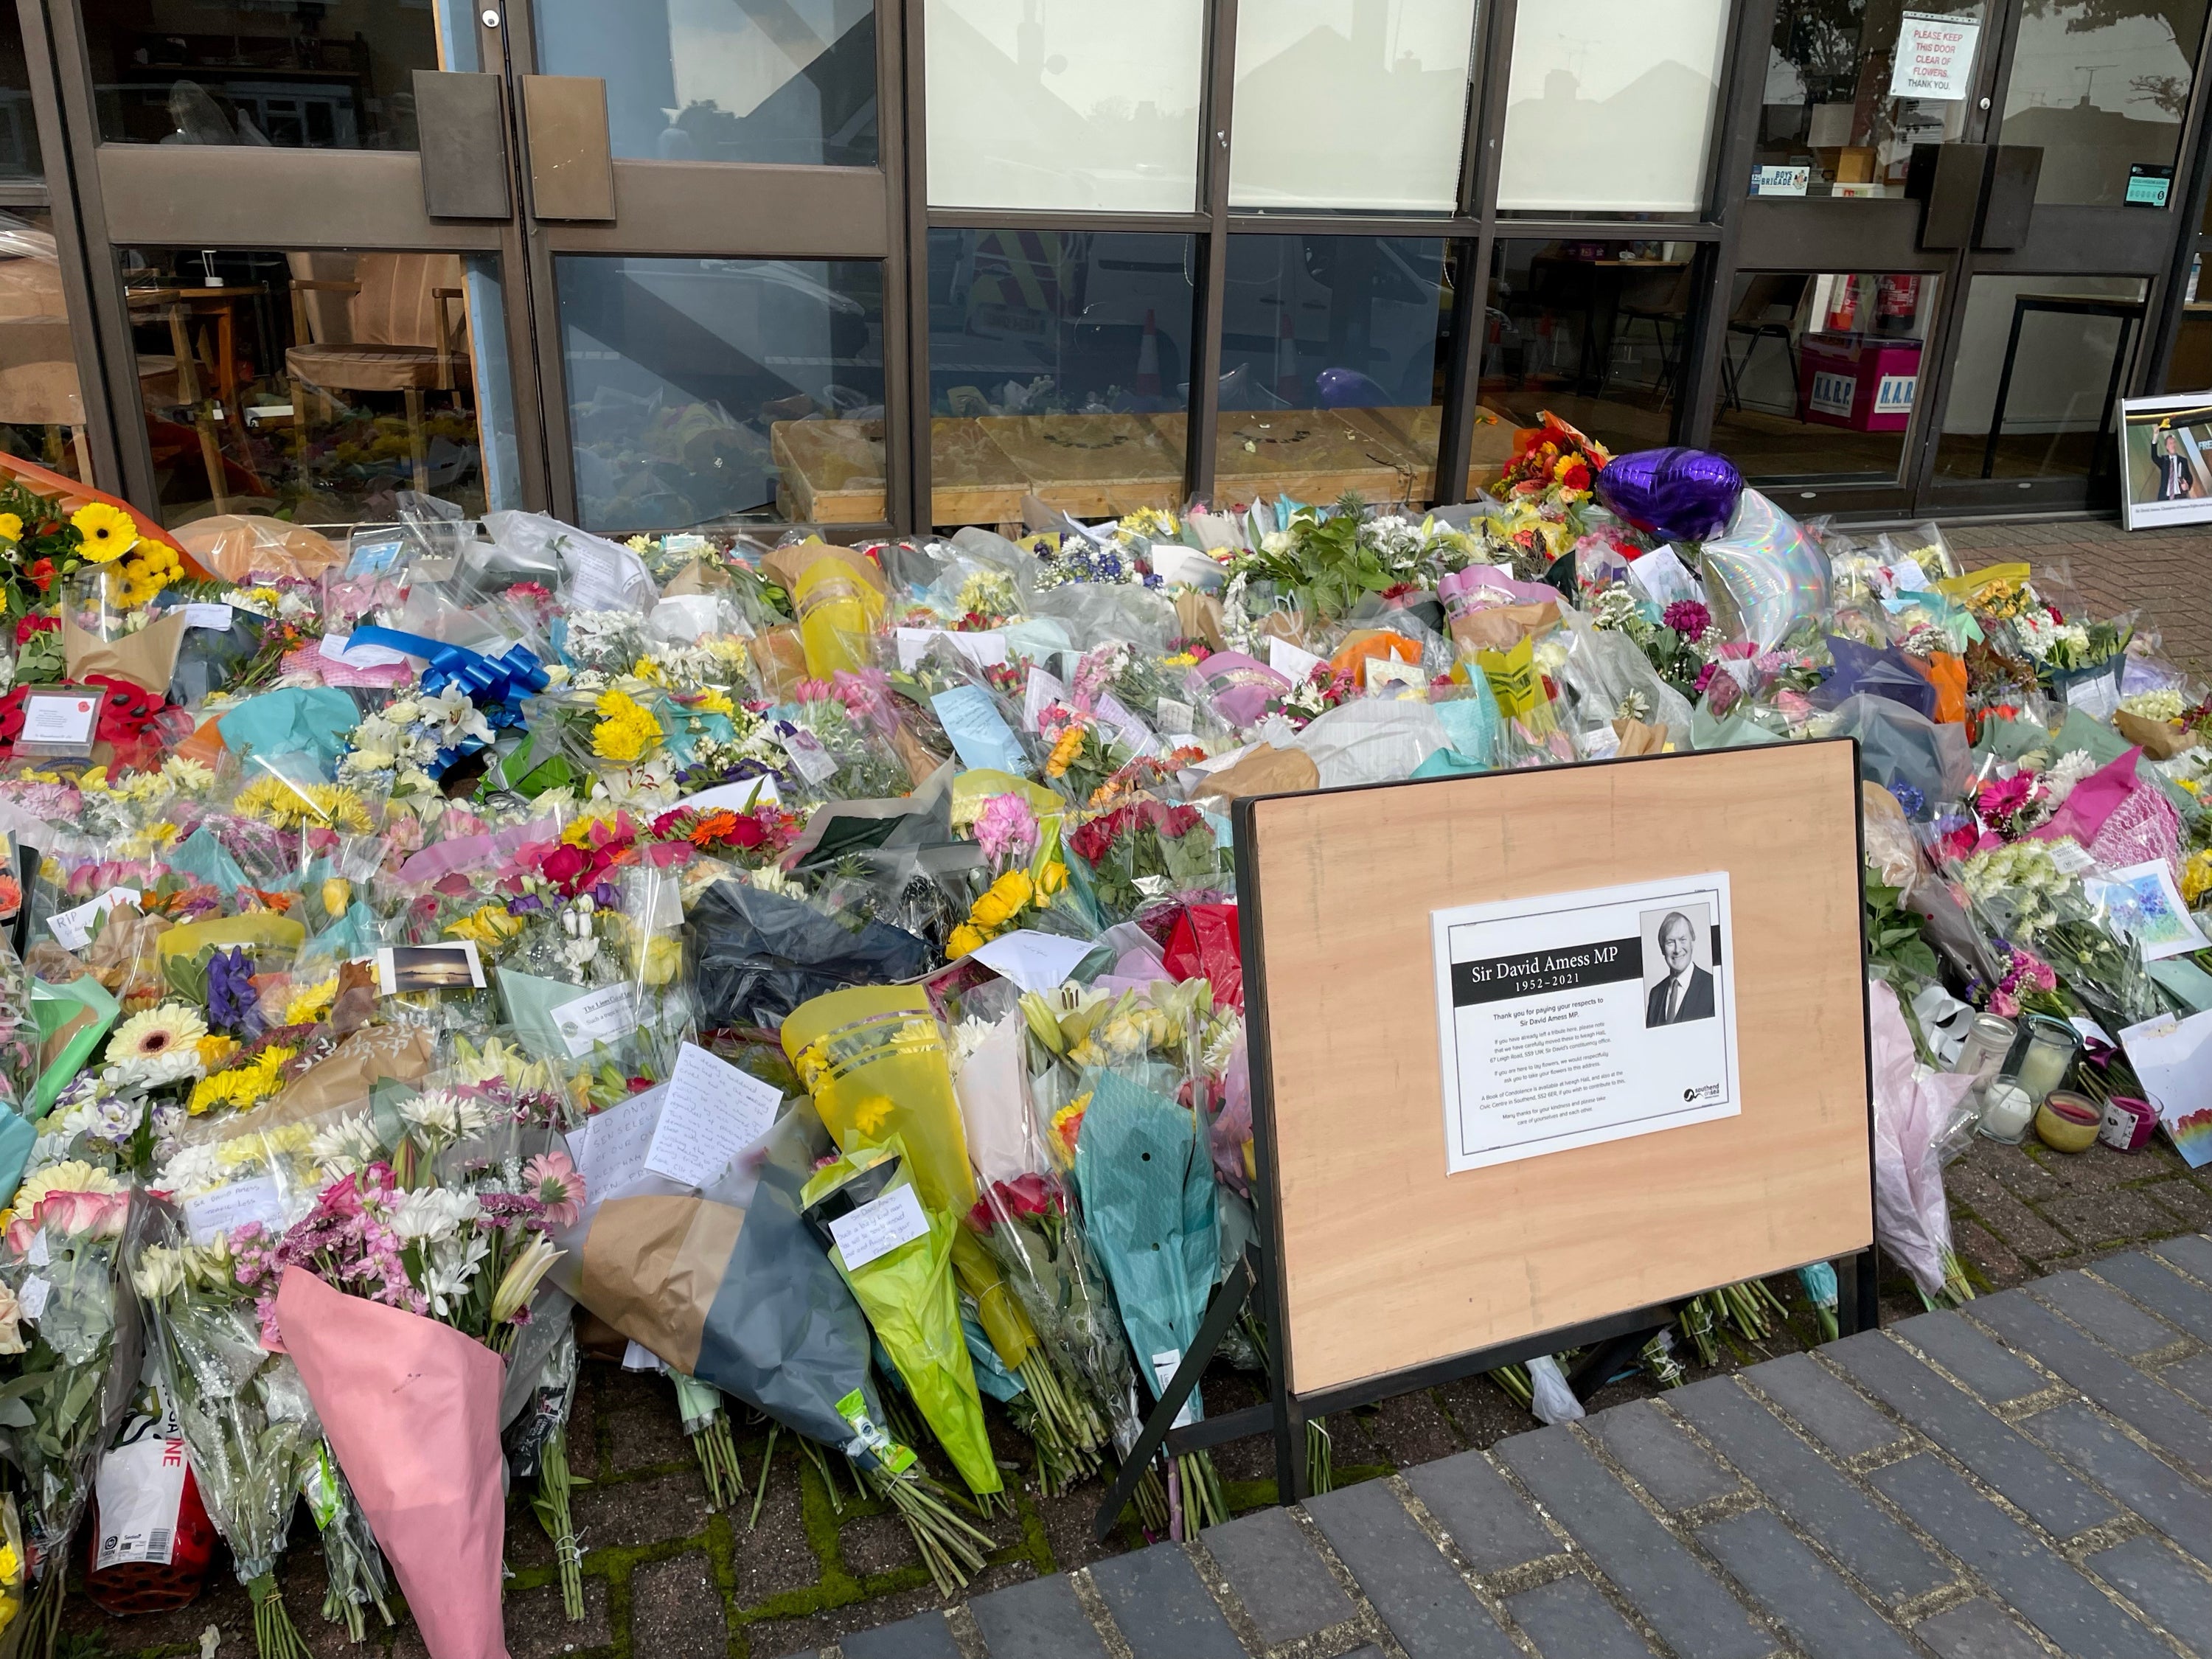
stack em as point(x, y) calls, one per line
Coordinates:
point(1677, 495)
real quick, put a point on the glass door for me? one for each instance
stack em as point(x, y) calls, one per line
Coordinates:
point(1835, 315)
point(2050, 308)
point(295, 313)
point(708, 223)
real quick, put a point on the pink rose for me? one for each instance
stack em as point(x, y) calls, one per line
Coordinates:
point(98, 1215)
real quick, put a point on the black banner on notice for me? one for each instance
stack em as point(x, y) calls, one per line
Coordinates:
point(1540, 973)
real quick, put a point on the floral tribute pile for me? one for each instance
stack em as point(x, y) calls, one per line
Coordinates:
point(818, 967)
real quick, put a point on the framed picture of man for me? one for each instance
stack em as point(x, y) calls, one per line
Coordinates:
point(2166, 460)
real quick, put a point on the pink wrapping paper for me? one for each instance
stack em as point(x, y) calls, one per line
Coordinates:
point(1910, 1111)
point(473, 852)
point(411, 1408)
point(2118, 817)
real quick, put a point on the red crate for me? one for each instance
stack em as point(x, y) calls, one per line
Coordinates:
point(1857, 380)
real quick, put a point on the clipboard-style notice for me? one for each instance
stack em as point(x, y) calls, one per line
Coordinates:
point(1576, 1019)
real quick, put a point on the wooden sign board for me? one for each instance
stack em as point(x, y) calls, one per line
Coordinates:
point(1385, 1261)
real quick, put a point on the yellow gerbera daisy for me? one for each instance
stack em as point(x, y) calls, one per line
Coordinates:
point(107, 532)
point(11, 527)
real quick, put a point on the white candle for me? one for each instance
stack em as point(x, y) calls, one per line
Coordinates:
point(2006, 1111)
point(2044, 1066)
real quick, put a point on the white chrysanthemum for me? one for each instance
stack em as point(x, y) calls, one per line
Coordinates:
point(433, 1214)
point(453, 1266)
point(444, 1117)
point(193, 1170)
point(340, 1149)
point(2065, 774)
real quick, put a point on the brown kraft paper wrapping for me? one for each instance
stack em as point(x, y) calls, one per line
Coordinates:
point(1265, 771)
point(376, 1052)
point(653, 1266)
point(785, 565)
point(1197, 616)
point(2154, 738)
point(1640, 737)
point(1501, 627)
point(147, 659)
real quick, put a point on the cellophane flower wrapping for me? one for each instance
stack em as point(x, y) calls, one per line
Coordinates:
point(1911, 1104)
point(913, 1306)
point(243, 1409)
point(1025, 1214)
point(411, 1408)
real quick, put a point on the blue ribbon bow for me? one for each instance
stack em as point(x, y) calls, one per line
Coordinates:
point(496, 685)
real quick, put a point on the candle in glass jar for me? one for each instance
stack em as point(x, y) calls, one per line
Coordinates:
point(2006, 1111)
point(2049, 1056)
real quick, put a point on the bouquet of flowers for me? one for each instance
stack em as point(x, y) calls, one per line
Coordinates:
point(1146, 852)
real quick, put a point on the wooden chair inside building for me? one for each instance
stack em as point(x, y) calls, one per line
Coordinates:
point(399, 324)
point(38, 385)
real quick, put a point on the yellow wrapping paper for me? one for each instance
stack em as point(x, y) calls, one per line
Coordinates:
point(835, 605)
point(874, 1062)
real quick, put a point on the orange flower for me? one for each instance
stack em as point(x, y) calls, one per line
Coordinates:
point(715, 826)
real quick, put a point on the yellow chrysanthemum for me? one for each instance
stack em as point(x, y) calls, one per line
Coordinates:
point(290, 805)
point(11, 527)
point(107, 532)
point(627, 731)
point(713, 701)
point(214, 1048)
point(2196, 878)
point(247, 1085)
point(313, 1004)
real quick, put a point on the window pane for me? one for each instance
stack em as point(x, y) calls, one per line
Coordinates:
point(1594, 331)
point(1049, 352)
point(41, 400)
point(19, 127)
point(1332, 355)
point(790, 80)
point(2040, 361)
point(336, 75)
point(316, 386)
point(1821, 374)
point(1351, 104)
point(2102, 88)
point(1610, 105)
point(1065, 106)
point(703, 389)
point(1835, 72)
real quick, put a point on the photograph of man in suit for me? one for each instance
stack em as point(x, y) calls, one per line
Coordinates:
point(2176, 481)
point(1687, 992)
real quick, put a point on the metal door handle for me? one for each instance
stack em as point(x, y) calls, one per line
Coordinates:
point(564, 128)
point(2008, 203)
point(461, 128)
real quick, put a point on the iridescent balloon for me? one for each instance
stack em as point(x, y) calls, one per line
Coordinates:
point(1677, 495)
point(1764, 575)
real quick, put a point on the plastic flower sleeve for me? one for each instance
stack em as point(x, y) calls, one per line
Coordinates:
point(874, 1059)
point(243, 1410)
point(1911, 1106)
point(909, 1296)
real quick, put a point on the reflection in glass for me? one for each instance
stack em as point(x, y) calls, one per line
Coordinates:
point(2102, 88)
point(1064, 106)
point(1351, 104)
point(1594, 331)
point(2040, 360)
point(19, 126)
point(1838, 73)
point(788, 81)
point(41, 399)
point(1821, 374)
point(333, 75)
point(1610, 105)
point(1332, 355)
point(1049, 353)
point(317, 386)
point(701, 389)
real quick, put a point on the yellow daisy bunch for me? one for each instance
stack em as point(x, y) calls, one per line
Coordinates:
point(107, 532)
point(290, 805)
point(11, 527)
point(626, 731)
point(2196, 878)
point(242, 1086)
point(150, 568)
point(313, 1004)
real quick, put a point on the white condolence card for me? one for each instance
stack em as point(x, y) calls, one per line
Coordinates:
point(1569, 1020)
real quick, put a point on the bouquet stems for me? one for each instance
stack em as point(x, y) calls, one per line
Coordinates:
point(273, 1635)
point(1202, 1505)
point(41, 1626)
point(767, 1459)
point(554, 1483)
point(950, 1547)
point(1320, 1458)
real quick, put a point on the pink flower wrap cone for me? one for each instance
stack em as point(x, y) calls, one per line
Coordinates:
point(411, 1408)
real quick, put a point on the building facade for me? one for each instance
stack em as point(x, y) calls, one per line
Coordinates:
point(885, 264)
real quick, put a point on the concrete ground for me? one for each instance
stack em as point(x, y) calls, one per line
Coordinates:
point(666, 1578)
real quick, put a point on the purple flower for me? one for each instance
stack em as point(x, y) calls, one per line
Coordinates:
point(1688, 618)
point(605, 896)
point(232, 1003)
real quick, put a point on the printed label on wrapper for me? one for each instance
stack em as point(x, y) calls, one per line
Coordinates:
point(1570, 1019)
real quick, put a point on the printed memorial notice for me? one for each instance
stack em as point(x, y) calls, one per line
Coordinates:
point(1573, 1019)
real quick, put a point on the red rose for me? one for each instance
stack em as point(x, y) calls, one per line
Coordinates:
point(747, 832)
point(565, 864)
point(42, 572)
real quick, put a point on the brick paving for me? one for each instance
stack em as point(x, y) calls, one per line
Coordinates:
point(1925, 1491)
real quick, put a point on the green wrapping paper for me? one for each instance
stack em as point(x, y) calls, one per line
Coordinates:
point(911, 1301)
